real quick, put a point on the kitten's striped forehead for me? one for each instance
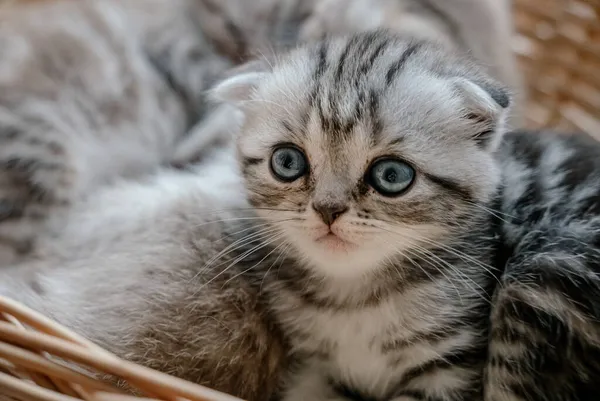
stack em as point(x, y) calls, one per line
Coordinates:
point(346, 102)
point(349, 79)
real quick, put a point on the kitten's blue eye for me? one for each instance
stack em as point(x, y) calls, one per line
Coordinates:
point(288, 163)
point(391, 177)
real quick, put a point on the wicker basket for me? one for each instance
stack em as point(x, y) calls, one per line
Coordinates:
point(558, 43)
point(30, 345)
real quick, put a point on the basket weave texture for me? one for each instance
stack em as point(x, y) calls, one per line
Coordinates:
point(33, 352)
point(558, 45)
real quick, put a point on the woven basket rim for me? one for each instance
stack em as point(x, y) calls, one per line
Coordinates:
point(30, 344)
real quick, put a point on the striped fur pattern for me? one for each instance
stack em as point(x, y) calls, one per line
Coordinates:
point(477, 283)
point(84, 102)
point(396, 308)
point(94, 91)
point(474, 284)
point(545, 322)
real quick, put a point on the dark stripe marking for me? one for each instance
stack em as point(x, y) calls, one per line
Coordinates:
point(238, 38)
point(342, 61)
point(451, 185)
point(469, 358)
point(350, 393)
point(376, 122)
point(367, 65)
point(322, 62)
point(399, 64)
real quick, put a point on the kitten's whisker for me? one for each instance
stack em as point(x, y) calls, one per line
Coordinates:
point(226, 221)
point(257, 263)
point(234, 219)
point(401, 253)
point(257, 226)
point(436, 265)
point(270, 240)
point(273, 232)
point(465, 279)
point(243, 209)
point(282, 255)
point(235, 246)
point(489, 269)
point(489, 211)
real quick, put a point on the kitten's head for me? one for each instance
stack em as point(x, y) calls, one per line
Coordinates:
point(356, 150)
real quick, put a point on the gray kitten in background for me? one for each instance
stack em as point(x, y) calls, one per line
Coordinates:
point(95, 91)
point(393, 245)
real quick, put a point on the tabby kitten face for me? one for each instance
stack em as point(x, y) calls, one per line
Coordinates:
point(358, 150)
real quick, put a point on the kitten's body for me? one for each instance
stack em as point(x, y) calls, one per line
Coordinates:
point(404, 303)
point(93, 91)
point(81, 105)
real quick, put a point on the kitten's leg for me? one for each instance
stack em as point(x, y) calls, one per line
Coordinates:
point(545, 325)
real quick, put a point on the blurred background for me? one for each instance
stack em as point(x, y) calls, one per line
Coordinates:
point(558, 45)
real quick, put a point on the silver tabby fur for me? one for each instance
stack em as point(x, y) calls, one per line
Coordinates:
point(95, 91)
point(480, 283)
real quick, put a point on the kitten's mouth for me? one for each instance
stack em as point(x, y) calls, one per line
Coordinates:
point(334, 242)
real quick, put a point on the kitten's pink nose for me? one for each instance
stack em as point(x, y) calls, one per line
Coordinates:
point(329, 212)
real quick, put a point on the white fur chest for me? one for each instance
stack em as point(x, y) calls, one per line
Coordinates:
point(348, 343)
point(352, 346)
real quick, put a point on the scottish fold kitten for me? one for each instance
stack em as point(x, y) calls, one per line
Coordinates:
point(382, 240)
point(95, 91)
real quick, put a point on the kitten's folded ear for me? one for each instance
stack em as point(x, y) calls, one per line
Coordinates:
point(486, 106)
point(240, 82)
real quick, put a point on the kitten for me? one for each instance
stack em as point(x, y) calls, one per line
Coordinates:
point(396, 248)
point(84, 101)
point(94, 91)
